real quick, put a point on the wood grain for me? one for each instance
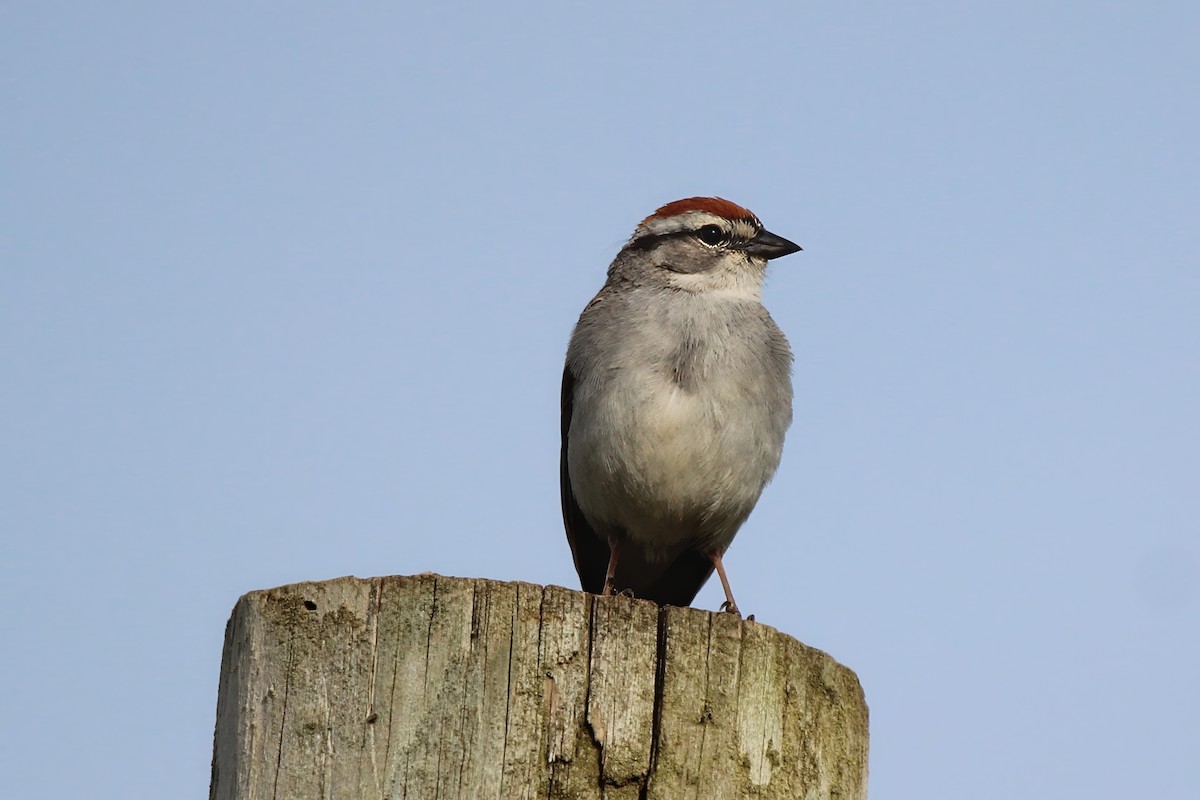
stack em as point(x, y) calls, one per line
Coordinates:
point(436, 687)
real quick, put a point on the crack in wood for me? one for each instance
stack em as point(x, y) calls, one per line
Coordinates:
point(502, 690)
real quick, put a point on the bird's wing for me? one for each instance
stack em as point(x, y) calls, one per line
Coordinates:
point(589, 551)
point(679, 583)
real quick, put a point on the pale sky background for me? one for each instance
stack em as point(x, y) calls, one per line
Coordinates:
point(285, 291)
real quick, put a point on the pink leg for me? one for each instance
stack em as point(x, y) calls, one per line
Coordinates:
point(728, 605)
point(611, 574)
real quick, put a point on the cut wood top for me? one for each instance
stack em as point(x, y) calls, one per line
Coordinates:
point(428, 686)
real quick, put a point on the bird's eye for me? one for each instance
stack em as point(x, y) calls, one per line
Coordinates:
point(711, 235)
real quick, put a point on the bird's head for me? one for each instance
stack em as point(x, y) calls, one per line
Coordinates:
point(702, 245)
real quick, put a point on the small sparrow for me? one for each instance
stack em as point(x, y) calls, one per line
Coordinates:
point(675, 399)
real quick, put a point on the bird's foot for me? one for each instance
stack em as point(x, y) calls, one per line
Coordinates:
point(611, 591)
point(729, 608)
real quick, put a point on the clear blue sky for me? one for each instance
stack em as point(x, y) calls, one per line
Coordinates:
point(285, 290)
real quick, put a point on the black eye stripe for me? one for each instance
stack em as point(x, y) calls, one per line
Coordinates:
point(651, 240)
point(716, 235)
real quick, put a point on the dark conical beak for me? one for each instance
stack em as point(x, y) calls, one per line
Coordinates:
point(767, 245)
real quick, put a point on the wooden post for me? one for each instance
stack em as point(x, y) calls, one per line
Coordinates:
point(432, 687)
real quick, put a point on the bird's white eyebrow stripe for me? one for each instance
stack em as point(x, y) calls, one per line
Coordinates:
point(693, 221)
point(658, 226)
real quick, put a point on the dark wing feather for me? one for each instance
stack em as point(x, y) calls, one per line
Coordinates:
point(587, 548)
point(680, 582)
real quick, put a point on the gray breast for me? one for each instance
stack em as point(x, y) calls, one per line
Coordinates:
point(680, 415)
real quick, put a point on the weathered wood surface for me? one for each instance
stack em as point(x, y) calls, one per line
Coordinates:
point(433, 687)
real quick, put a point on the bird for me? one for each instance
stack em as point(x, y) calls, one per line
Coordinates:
point(676, 396)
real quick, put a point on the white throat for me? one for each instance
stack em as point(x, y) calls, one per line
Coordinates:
point(736, 284)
